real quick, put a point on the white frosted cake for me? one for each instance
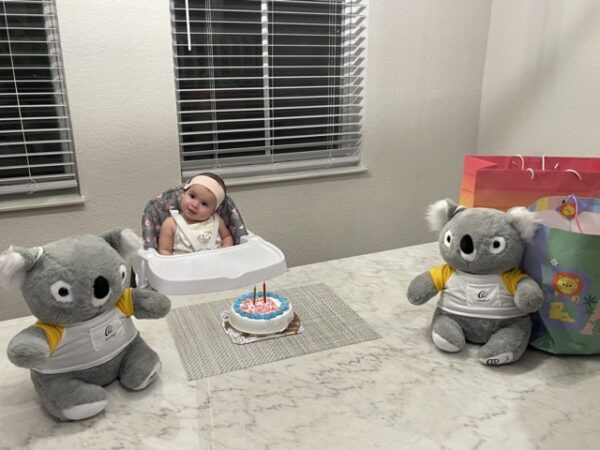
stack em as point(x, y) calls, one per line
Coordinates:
point(261, 314)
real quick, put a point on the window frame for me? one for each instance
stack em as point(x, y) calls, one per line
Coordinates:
point(38, 190)
point(354, 49)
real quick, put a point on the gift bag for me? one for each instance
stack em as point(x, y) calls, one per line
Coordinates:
point(564, 258)
point(505, 181)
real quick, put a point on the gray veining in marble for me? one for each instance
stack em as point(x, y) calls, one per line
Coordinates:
point(394, 392)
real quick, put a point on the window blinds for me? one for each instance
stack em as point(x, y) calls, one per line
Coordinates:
point(36, 148)
point(268, 86)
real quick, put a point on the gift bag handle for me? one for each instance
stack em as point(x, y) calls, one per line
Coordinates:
point(576, 213)
point(532, 172)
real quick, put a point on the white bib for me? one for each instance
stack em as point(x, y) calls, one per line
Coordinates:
point(196, 236)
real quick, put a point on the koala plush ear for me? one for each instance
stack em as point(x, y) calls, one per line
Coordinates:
point(440, 212)
point(16, 261)
point(125, 242)
point(523, 221)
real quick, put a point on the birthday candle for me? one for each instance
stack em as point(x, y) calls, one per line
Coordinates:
point(254, 296)
point(264, 292)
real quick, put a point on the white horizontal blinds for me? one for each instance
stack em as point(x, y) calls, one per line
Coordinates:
point(36, 151)
point(268, 85)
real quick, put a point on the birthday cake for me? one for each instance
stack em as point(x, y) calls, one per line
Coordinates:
point(261, 314)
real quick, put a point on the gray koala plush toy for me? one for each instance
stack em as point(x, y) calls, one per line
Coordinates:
point(84, 337)
point(484, 297)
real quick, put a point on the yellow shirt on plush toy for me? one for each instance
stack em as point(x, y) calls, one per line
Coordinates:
point(485, 296)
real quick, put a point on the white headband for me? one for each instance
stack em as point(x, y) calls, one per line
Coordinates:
point(209, 183)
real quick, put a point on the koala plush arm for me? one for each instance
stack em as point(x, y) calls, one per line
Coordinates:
point(528, 295)
point(149, 304)
point(421, 289)
point(28, 348)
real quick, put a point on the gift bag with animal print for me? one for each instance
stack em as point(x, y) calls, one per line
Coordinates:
point(564, 258)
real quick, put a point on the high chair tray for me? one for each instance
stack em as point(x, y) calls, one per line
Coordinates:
point(252, 261)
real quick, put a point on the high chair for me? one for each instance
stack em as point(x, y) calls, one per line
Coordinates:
point(250, 260)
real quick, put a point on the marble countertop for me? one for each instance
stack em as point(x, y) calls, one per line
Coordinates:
point(395, 392)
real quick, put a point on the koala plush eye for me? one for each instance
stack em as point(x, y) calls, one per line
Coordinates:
point(498, 245)
point(448, 238)
point(61, 292)
point(123, 272)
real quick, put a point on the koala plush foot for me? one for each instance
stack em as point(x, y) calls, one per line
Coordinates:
point(153, 375)
point(84, 411)
point(507, 344)
point(70, 399)
point(447, 335)
point(140, 366)
point(497, 359)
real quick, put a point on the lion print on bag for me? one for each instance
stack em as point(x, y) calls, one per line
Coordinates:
point(567, 284)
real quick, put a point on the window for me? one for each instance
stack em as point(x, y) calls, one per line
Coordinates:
point(268, 86)
point(36, 148)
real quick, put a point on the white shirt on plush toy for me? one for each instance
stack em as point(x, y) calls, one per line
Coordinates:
point(89, 343)
point(488, 296)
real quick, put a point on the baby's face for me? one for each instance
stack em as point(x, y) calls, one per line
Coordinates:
point(198, 203)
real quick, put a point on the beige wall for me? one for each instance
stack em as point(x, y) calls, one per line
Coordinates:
point(425, 65)
point(541, 86)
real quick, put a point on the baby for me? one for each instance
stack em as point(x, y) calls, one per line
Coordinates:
point(196, 227)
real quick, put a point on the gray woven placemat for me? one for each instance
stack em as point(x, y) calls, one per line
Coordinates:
point(206, 350)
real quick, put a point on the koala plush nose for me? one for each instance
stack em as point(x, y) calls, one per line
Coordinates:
point(101, 287)
point(466, 244)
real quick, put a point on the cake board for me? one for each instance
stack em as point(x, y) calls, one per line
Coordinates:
point(239, 337)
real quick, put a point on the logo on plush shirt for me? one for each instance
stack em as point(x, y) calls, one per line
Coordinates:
point(482, 294)
point(108, 330)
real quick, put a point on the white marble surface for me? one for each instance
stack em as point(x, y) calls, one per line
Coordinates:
point(394, 392)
